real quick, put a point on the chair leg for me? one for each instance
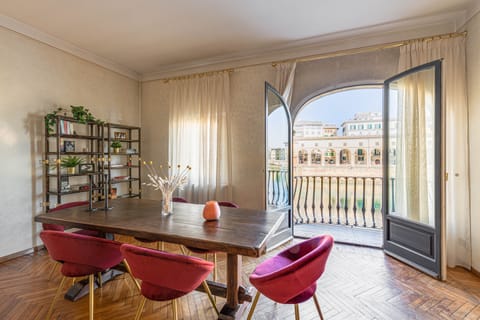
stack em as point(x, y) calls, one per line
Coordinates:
point(100, 284)
point(140, 308)
point(297, 312)
point(254, 304)
point(91, 288)
point(214, 267)
point(162, 246)
point(174, 308)
point(127, 266)
point(210, 297)
point(60, 287)
point(318, 306)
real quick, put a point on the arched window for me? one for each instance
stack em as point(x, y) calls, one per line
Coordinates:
point(376, 156)
point(302, 156)
point(344, 156)
point(360, 156)
point(330, 156)
point(316, 157)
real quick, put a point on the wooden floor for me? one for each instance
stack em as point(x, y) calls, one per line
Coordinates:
point(359, 283)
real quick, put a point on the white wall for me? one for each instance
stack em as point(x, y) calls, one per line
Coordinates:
point(247, 130)
point(473, 82)
point(35, 78)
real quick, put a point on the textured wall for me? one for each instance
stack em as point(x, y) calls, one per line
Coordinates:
point(34, 78)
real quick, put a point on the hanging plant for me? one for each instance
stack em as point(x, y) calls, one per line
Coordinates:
point(51, 119)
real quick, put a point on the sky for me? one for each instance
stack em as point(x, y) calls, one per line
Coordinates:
point(337, 107)
point(332, 108)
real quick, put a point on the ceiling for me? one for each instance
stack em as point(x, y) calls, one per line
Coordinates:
point(150, 36)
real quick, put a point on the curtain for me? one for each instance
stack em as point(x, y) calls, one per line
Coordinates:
point(454, 98)
point(199, 135)
point(284, 78)
point(415, 162)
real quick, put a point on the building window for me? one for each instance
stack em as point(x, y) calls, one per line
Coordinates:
point(316, 157)
point(302, 156)
point(344, 156)
point(330, 156)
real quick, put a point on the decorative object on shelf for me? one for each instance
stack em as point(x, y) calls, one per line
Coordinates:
point(175, 178)
point(86, 168)
point(68, 146)
point(131, 151)
point(119, 135)
point(64, 184)
point(113, 193)
point(211, 211)
point(116, 146)
point(71, 163)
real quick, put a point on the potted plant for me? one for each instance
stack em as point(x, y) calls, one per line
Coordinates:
point(71, 163)
point(116, 145)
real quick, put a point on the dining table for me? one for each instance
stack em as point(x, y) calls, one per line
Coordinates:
point(238, 232)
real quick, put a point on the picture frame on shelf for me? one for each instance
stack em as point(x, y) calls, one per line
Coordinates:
point(119, 135)
point(64, 184)
point(86, 168)
point(68, 146)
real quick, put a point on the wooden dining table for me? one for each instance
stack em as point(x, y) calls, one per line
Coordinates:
point(238, 232)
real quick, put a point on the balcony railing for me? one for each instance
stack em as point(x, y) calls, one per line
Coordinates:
point(343, 200)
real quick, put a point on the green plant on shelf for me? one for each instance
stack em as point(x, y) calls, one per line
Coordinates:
point(70, 161)
point(116, 144)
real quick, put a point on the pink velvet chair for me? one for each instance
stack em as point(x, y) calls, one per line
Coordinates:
point(291, 276)
point(166, 276)
point(207, 252)
point(80, 256)
point(56, 227)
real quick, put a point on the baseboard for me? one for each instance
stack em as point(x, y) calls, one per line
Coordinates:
point(475, 272)
point(21, 253)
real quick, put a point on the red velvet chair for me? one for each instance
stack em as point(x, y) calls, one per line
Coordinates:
point(166, 276)
point(207, 252)
point(291, 276)
point(56, 227)
point(80, 256)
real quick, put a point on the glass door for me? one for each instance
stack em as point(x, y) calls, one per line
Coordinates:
point(278, 166)
point(412, 184)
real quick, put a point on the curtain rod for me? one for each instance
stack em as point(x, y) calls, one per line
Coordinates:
point(371, 48)
point(327, 55)
point(199, 75)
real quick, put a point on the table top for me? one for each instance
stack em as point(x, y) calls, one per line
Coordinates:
point(238, 231)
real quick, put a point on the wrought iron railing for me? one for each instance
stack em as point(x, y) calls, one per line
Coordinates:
point(343, 200)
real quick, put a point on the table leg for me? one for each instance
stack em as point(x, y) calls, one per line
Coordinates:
point(234, 277)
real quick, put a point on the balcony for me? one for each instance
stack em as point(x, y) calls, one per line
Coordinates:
point(347, 207)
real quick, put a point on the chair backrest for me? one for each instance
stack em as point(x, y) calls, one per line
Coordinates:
point(56, 227)
point(300, 267)
point(228, 204)
point(166, 270)
point(179, 199)
point(81, 255)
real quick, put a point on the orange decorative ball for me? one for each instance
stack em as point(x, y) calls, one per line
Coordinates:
point(211, 211)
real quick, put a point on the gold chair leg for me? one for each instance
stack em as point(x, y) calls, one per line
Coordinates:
point(254, 304)
point(99, 275)
point(214, 267)
point(91, 288)
point(140, 308)
point(162, 245)
point(318, 306)
point(297, 312)
point(174, 308)
point(49, 313)
point(210, 297)
point(73, 281)
point(184, 250)
point(127, 266)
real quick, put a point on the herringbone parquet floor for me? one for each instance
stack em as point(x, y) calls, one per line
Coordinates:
point(359, 283)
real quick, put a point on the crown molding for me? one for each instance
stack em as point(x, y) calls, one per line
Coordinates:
point(33, 33)
point(344, 40)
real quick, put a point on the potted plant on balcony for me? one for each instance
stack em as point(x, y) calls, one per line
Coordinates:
point(71, 163)
point(116, 145)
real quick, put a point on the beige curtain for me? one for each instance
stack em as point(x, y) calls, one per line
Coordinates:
point(284, 79)
point(199, 135)
point(454, 99)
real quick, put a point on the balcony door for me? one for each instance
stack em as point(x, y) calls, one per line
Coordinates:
point(412, 197)
point(278, 165)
